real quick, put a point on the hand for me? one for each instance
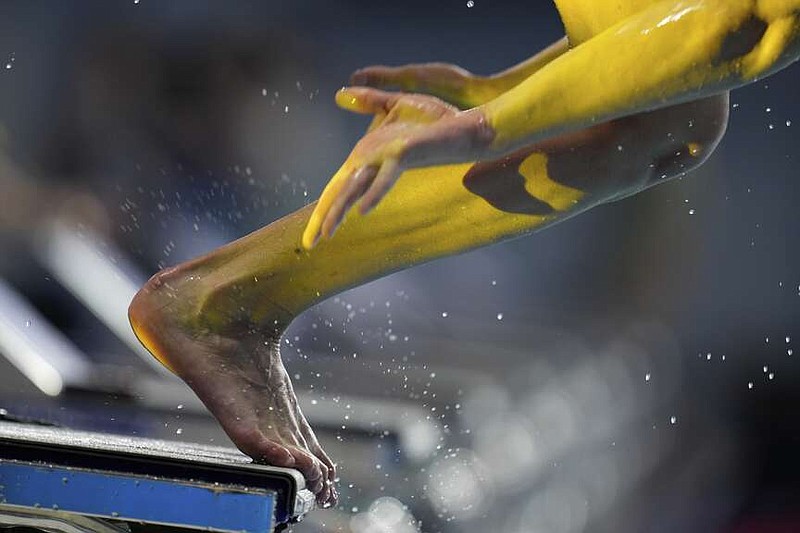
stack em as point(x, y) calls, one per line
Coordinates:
point(379, 157)
point(451, 83)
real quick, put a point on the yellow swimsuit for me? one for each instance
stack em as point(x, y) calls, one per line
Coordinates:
point(583, 19)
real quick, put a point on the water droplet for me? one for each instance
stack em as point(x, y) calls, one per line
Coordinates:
point(691, 211)
point(647, 376)
point(771, 376)
point(789, 351)
point(788, 123)
point(179, 431)
point(27, 323)
point(180, 406)
point(749, 384)
point(444, 314)
point(673, 419)
point(765, 369)
point(470, 3)
point(788, 339)
point(499, 316)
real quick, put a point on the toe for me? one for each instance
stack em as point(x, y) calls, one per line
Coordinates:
point(310, 468)
point(322, 456)
point(325, 492)
point(267, 451)
point(334, 499)
point(324, 495)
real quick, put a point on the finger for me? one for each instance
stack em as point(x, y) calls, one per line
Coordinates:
point(378, 76)
point(440, 79)
point(377, 120)
point(365, 100)
point(357, 184)
point(387, 175)
point(410, 76)
point(312, 232)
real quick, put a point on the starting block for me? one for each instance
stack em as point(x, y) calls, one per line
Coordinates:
point(57, 479)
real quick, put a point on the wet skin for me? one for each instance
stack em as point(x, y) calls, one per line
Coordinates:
point(508, 166)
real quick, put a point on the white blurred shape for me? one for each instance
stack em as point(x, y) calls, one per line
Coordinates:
point(505, 442)
point(559, 508)
point(419, 438)
point(458, 486)
point(553, 416)
point(385, 515)
point(38, 350)
point(79, 264)
point(487, 401)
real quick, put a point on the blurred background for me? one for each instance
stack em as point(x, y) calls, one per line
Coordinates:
point(628, 370)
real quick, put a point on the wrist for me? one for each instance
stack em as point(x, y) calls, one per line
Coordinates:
point(466, 136)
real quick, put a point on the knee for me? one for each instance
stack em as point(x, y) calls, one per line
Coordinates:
point(702, 127)
point(669, 142)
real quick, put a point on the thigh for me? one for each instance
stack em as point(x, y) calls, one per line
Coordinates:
point(615, 159)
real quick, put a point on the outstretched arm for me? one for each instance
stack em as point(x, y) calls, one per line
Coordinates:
point(672, 52)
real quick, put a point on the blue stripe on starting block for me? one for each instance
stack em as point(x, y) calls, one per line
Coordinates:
point(125, 497)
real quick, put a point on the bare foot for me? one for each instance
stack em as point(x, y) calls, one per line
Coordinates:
point(236, 370)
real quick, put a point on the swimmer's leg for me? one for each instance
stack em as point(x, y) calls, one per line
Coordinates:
point(216, 321)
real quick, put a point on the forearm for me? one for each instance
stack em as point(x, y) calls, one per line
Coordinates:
point(485, 89)
point(672, 52)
